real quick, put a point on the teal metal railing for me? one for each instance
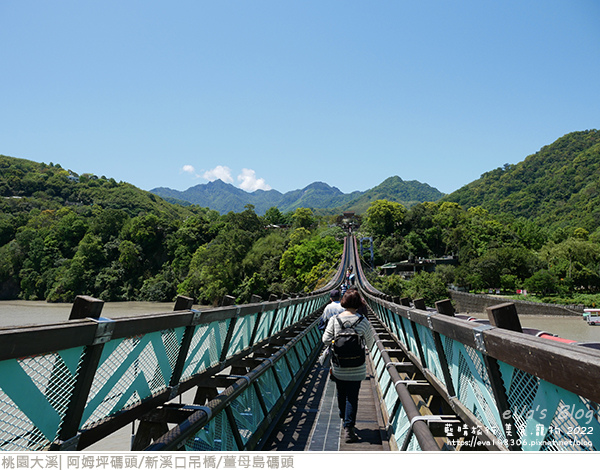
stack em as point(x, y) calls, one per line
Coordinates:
point(64, 386)
point(241, 416)
point(513, 390)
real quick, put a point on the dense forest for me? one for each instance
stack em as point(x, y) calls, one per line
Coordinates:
point(63, 234)
point(533, 226)
point(559, 186)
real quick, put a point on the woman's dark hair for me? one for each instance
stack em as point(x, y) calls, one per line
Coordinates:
point(351, 299)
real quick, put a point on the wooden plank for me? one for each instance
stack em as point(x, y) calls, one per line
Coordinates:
point(504, 316)
point(368, 423)
point(143, 324)
point(35, 340)
point(183, 303)
point(454, 328)
point(420, 304)
point(85, 306)
point(445, 307)
point(420, 317)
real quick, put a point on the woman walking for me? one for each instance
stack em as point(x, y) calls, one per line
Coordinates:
point(348, 373)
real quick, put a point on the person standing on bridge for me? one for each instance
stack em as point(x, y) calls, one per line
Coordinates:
point(348, 378)
point(333, 308)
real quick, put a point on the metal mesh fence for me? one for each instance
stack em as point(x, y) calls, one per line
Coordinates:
point(216, 436)
point(242, 334)
point(205, 350)
point(246, 410)
point(430, 351)
point(34, 395)
point(247, 413)
point(548, 418)
point(130, 370)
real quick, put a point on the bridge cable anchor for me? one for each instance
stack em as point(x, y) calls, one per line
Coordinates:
point(104, 330)
point(479, 339)
point(430, 320)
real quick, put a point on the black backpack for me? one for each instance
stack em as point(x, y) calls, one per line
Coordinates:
point(348, 347)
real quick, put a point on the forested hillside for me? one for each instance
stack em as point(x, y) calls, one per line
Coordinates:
point(407, 193)
point(63, 234)
point(533, 226)
point(558, 186)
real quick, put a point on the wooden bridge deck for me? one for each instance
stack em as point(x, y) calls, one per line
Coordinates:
point(313, 423)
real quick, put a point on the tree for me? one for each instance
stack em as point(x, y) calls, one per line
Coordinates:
point(385, 217)
point(303, 217)
point(542, 282)
point(574, 259)
point(274, 216)
point(431, 287)
point(298, 261)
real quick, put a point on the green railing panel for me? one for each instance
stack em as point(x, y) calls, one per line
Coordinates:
point(290, 315)
point(242, 334)
point(216, 436)
point(268, 389)
point(294, 361)
point(473, 387)
point(430, 351)
point(34, 395)
point(547, 417)
point(283, 372)
point(130, 370)
point(413, 445)
point(247, 413)
point(399, 422)
point(264, 325)
point(205, 350)
point(279, 319)
point(379, 363)
point(302, 349)
point(384, 380)
point(395, 325)
point(412, 342)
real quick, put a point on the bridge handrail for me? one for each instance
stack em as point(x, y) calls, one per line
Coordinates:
point(66, 385)
point(338, 278)
point(275, 377)
point(554, 382)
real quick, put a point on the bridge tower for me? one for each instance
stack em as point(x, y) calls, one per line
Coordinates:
point(370, 240)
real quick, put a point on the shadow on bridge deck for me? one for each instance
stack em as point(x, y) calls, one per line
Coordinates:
point(313, 422)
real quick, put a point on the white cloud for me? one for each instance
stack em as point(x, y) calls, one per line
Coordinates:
point(189, 169)
point(249, 181)
point(219, 172)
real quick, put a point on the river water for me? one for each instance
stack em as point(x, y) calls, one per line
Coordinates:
point(25, 312)
point(21, 312)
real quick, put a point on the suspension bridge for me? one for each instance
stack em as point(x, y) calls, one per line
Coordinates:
point(246, 378)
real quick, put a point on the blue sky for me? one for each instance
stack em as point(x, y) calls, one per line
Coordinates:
point(279, 94)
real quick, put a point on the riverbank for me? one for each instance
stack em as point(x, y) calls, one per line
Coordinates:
point(29, 312)
point(477, 303)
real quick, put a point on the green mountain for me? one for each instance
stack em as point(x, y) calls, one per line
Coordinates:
point(557, 186)
point(224, 197)
point(26, 185)
point(408, 193)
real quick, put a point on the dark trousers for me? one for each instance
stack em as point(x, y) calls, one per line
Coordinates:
point(347, 397)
